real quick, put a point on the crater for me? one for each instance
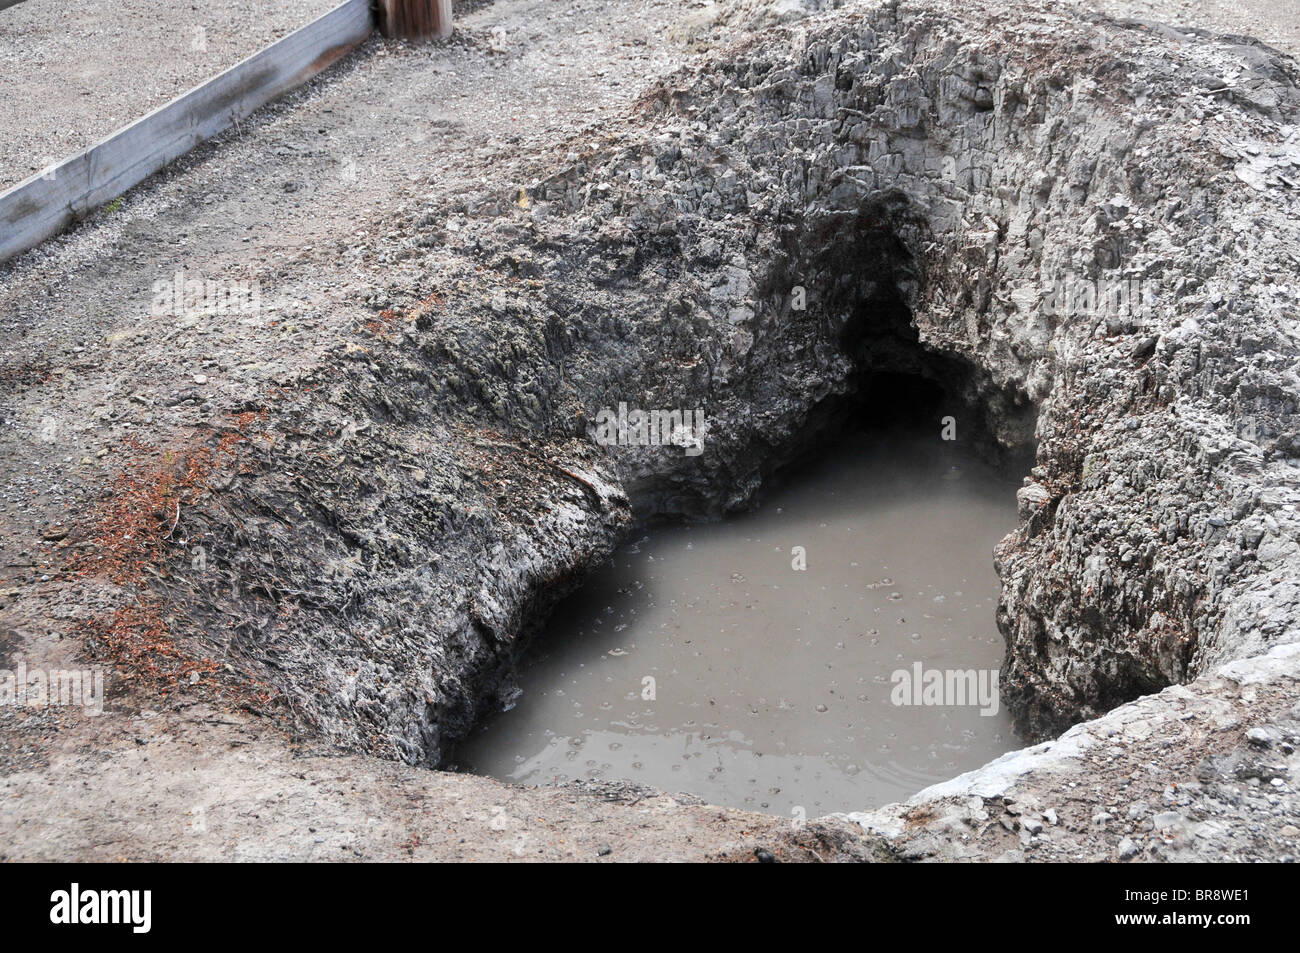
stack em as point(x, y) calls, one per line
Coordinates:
point(873, 219)
point(828, 639)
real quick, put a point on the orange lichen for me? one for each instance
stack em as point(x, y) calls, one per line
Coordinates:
point(137, 642)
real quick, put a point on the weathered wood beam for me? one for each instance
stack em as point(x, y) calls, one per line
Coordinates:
point(415, 19)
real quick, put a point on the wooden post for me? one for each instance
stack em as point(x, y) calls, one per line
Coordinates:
point(415, 19)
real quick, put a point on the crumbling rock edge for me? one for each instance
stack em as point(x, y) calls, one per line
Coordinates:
point(1097, 793)
point(924, 158)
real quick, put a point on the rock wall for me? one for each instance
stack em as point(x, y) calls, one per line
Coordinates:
point(931, 175)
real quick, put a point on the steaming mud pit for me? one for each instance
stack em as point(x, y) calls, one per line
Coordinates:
point(701, 660)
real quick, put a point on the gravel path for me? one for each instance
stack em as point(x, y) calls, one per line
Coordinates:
point(1275, 22)
point(70, 74)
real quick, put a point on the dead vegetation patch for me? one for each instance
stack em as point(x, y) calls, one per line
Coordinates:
point(131, 536)
point(137, 641)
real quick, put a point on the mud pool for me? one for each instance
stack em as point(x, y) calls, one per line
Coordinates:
point(701, 660)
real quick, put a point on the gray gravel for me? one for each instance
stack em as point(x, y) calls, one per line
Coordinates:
point(1275, 22)
point(70, 74)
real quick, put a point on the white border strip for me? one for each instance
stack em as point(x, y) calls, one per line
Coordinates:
point(44, 204)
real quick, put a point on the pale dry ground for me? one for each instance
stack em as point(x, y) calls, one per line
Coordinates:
point(1275, 22)
point(71, 73)
point(275, 203)
point(211, 786)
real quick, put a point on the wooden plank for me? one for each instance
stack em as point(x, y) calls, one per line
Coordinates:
point(44, 204)
point(415, 19)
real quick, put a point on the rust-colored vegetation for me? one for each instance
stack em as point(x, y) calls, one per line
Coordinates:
point(133, 528)
point(137, 642)
point(389, 318)
point(134, 523)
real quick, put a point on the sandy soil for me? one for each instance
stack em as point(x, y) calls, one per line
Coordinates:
point(1275, 22)
point(70, 74)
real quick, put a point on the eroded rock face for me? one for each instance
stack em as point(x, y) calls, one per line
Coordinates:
point(937, 180)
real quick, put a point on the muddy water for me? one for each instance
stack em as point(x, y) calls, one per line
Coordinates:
point(702, 659)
